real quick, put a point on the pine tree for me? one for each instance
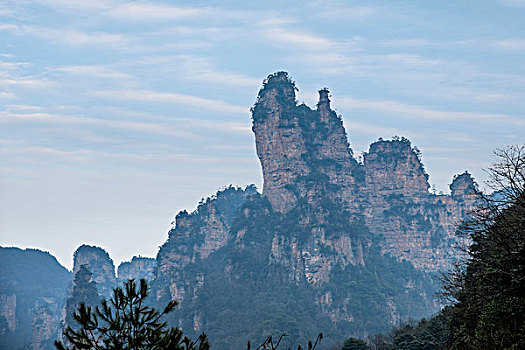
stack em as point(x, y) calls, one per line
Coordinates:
point(126, 322)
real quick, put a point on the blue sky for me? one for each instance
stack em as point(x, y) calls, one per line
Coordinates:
point(114, 114)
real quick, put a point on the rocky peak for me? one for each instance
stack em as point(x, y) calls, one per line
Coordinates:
point(139, 267)
point(394, 167)
point(195, 236)
point(463, 185)
point(303, 152)
point(97, 260)
point(324, 99)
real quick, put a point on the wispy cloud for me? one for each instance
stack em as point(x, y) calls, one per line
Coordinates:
point(279, 34)
point(81, 4)
point(171, 98)
point(511, 44)
point(7, 94)
point(159, 12)
point(415, 111)
point(95, 70)
point(353, 127)
point(333, 11)
point(62, 119)
point(204, 69)
point(27, 82)
point(513, 3)
point(70, 36)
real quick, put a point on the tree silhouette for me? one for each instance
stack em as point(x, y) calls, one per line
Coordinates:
point(126, 322)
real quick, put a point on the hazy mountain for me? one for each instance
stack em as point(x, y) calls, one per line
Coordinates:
point(33, 286)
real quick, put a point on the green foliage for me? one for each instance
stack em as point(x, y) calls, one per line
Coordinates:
point(489, 291)
point(431, 334)
point(126, 322)
point(355, 344)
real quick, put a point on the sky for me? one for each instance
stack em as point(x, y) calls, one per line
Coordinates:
point(115, 115)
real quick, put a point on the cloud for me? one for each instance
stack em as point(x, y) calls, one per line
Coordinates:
point(513, 3)
point(77, 4)
point(27, 82)
point(187, 128)
point(70, 36)
point(408, 110)
point(362, 128)
point(169, 97)
point(42, 150)
point(23, 108)
point(277, 33)
point(7, 94)
point(333, 11)
point(83, 154)
point(204, 69)
point(95, 70)
point(158, 12)
point(514, 44)
point(140, 127)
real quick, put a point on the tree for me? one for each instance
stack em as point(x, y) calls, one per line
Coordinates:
point(355, 344)
point(268, 344)
point(488, 290)
point(126, 322)
point(84, 291)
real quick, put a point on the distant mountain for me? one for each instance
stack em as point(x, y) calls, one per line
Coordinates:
point(331, 245)
point(139, 267)
point(33, 286)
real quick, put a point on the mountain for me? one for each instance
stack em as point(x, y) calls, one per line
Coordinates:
point(331, 244)
point(32, 290)
point(98, 262)
point(139, 267)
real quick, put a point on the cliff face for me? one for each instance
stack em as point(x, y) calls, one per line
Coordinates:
point(97, 261)
point(305, 155)
point(410, 223)
point(194, 237)
point(8, 312)
point(303, 152)
point(45, 325)
point(32, 289)
point(139, 267)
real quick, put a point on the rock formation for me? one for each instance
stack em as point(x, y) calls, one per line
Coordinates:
point(96, 260)
point(305, 155)
point(45, 325)
point(353, 241)
point(139, 267)
point(194, 237)
point(32, 289)
point(411, 223)
point(303, 152)
point(8, 312)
